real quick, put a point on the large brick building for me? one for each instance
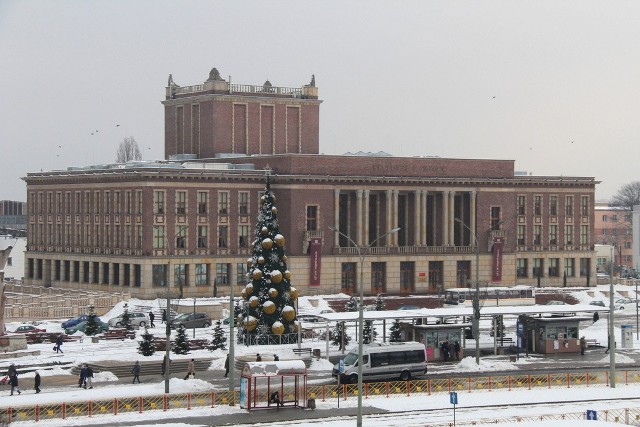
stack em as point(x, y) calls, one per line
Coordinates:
point(613, 226)
point(190, 220)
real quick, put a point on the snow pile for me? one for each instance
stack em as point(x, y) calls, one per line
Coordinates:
point(468, 364)
point(620, 358)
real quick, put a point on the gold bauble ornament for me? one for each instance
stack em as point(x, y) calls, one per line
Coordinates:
point(257, 274)
point(273, 196)
point(293, 293)
point(274, 210)
point(276, 276)
point(287, 274)
point(288, 313)
point(250, 323)
point(264, 230)
point(267, 243)
point(277, 328)
point(284, 258)
point(279, 239)
point(273, 292)
point(269, 307)
point(249, 288)
point(261, 260)
point(254, 301)
point(243, 293)
point(262, 199)
point(249, 262)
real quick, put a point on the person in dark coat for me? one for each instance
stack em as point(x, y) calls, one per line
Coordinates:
point(164, 364)
point(164, 316)
point(88, 377)
point(151, 317)
point(226, 366)
point(36, 382)
point(258, 358)
point(136, 372)
point(275, 358)
point(82, 382)
point(596, 317)
point(456, 349)
point(58, 346)
point(13, 379)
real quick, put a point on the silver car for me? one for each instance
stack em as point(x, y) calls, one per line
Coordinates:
point(137, 319)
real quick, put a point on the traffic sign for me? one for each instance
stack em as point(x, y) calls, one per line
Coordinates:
point(453, 398)
point(519, 328)
point(341, 366)
point(592, 415)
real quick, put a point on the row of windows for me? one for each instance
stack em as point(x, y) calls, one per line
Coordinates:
point(553, 267)
point(128, 236)
point(104, 273)
point(77, 202)
point(614, 218)
point(553, 209)
point(201, 238)
point(551, 237)
point(181, 202)
point(201, 273)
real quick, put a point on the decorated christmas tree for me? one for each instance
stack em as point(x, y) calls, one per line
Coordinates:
point(181, 345)
point(126, 319)
point(269, 294)
point(394, 332)
point(146, 347)
point(379, 303)
point(219, 338)
point(351, 305)
point(339, 336)
point(369, 333)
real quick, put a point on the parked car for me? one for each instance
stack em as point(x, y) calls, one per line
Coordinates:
point(409, 307)
point(82, 326)
point(25, 329)
point(598, 303)
point(309, 318)
point(75, 320)
point(192, 320)
point(554, 302)
point(136, 318)
point(623, 301)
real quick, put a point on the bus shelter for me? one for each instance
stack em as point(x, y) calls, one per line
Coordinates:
point(436, 337)
point(272, 385)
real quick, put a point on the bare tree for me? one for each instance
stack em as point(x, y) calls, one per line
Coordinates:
point(627, 196)
point(128, 150)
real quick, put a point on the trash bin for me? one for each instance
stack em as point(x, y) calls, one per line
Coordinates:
point(311, 403)
point(316, 353)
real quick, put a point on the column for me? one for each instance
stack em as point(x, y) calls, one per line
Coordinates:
point(424, 225)
point(111, 273)
point(132, 275)
point(336, 217)
point(62, 271)
point(91, 269)
point(365, 217)
point(417, 201)
point(445, 218)
point(394, 224)
point(388, 209)
point(100, 273)
point(452, 212)
point(472, 215)
point(359, 225)
point(72, 270)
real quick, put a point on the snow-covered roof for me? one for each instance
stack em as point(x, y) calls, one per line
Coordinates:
point(268, 368)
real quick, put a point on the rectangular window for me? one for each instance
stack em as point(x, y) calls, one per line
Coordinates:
point(243, 203)
point(537, 205)
point(241, 273)
point(203, 232)
point(495, 220)
point(222, 236)
point(537, 234)
point(521, 267)
point(181, 236)
point(127, 202)
point(553, 234)
point(67, 202)
point(202, 275)
point(569, 267)
point(158, 237)
point(58, 202)
point(203, 202)
point(127, 236)
point(568, 234)
point(116, 202)
point(158, 202)
point(116, 236)
point(585, 266)
point(139, 202)
point(78, 202)
point(568, 206)
point(180, 275)
point(158, 274)
point(553, 267)
point(614, 218)
point(107, 201)
point(181, 202)
point(222, 273)
point(522, 230)
point(243, 236)
point(604, 218)
point(407, 276)
point(96, 202)
point(378, 277)
point(553, 205)
point(522, 205)
point(312, 218)
point(584, 206)
point(627, 245)
point(138, 236)
point(584, 234)
point(223, 203)
point(538, 267)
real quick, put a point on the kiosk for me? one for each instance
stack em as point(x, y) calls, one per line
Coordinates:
point(273, 385)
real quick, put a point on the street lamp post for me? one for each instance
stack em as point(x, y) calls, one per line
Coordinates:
point(362, 250)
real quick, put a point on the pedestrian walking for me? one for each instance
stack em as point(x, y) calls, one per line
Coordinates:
point(88, 377)
point(36, 382)
point(164, 364)
point(13, 378)
point(164, 316)
point(608, 344)
point(226, 366)
point(456, 349)
point(583, 345)
point(596, 317)
point(151, 317)
point(258, 358)
point(191, 369)
point(82, 381)
point(58, 346)
point(136, 372)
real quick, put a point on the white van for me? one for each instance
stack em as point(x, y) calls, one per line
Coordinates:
point(381, 361)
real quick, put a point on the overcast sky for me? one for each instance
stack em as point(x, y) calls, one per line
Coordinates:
point(553, 85)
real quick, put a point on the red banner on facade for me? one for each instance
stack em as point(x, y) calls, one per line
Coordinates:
point(315, 258)
point(496, 265)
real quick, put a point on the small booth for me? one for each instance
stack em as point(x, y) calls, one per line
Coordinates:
point(273, 385)
point(553, 335)
point(434, 337)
